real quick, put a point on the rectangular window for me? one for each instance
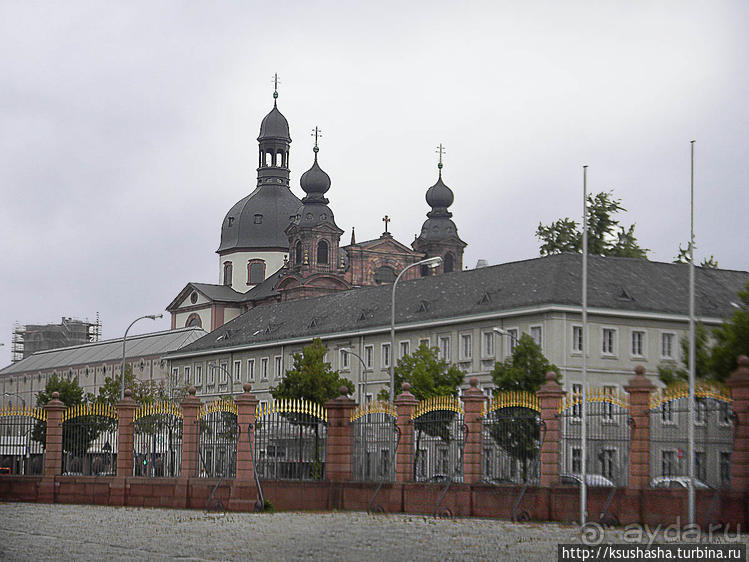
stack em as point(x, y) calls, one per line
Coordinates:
point(699, 465)
point(667, 412)
point(175, 376)
point(344, 359)
point(724, 460)
point(669, 464)
point(198, 375)
point(368, 356)
point(187, 376)
point(724, 414)
point(577, 339)
point(385, 355)
point(223, 369)
point(487, 345)
point(577, 460)
point(466, 347)
point(667, 345)
point(264, 369)
point(251, 370)
point(700, 411)
point(536, 335)
point(608, 341)
point(444, 348)
point(577, 390)
point(638, 343)
point(424, 341)
point(211, 374)
point(278, 366)
point(608, 406)
point(404, 348)
point(608, 462)
point(237, 371)
point(513, 334)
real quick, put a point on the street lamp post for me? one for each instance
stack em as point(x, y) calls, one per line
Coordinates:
point(213, 365)
point(124, 342)
point(501, 332)
point(429, 262)
point(364, 370)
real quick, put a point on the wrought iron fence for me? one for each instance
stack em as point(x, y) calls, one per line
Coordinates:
point(217, 439)
point(513, 433)
point(375, 441)
point(439, 439)
point(669, 423)
point(157, 440)
point(89, 440)
point(608, 438)
point(23, 433)
point(290, 440)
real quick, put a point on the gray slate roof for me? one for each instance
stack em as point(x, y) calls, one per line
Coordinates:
point(157, 343)
point(627, 284)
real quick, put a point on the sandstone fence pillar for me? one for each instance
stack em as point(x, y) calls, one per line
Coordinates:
point(404, 461)
point(639, 388)
point(339, 448)
point(243, 490)
point(52, 449)
point(473, 409)
point(190, 407)
point(549, 396)
point(125, 414)
point(738, 382)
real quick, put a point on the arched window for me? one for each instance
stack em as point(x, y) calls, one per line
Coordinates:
point(227, 273)
point(298, 252)
point(384, 274)
point(192, 321)
point(255, 272)
point(447, 264)
point(322, 252)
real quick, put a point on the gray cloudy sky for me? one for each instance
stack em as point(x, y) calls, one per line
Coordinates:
point(128, 129)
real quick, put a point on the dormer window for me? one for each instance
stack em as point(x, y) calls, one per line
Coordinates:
point(258, 219)
point(230, 221)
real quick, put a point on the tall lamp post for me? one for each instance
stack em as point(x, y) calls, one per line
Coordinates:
point(429, 262)
point(501, 332)
point(213, 365)
point(124, 342)
point(364, 370)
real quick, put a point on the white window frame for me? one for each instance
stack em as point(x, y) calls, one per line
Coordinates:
point(368, 356)
point(187, 375)
point(404, 345)
point(251, 370)
point(175, 376)
point(264, 368)
point(572, 459)
point(211, 376)
point(344, 360)
point(576, 412)
point(426, 341)
point(278, 366)
point(700, 411)
point(614, 461)
point(488, 344)
point(574, 340)
point(385, 355)
point(614, 341)
point(512, 340)
point(643, 343)
point(236, 370)
point(676, 459)
point(462, 339)
point(444, 351)
point(222, 373)
point(674, 356)
point(608, 407)
point(673, 417)
point(540, 329)
point(198, 368)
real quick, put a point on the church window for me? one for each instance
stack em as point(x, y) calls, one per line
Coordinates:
point(322, 252)
point(258, 219)
point(227, 273)
point(255, 272)
point(193, 321)
point(448, 264)
point(194, 297)
point(298, 253)
point(384, 274)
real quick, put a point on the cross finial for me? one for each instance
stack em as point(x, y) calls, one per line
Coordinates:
point(275, 88)
point(317, 133)
point(386, 219)
point(441, 151)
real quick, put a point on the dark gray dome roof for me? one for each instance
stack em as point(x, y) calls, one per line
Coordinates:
point(274, 125)
point(312, 214)
point(315, 180)
point(438, 228)
point(439, 195)
point(259, 220)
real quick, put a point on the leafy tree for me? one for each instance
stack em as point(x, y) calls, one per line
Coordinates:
point(606, 237)
point(517, 430)
point(683, 257)
point(731, 338)
point(427, 374)
point(143, 392)
point(70, 394)
point(670, 373)
point(311, 378)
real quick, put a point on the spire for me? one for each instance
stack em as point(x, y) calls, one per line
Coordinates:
point(441, 150)
point(353, 235)
point(317, 133)
point(275, 89)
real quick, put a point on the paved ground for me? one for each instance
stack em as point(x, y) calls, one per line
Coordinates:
point(82, 532)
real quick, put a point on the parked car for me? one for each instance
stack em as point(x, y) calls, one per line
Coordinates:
point(677, 482)
point(593, 480)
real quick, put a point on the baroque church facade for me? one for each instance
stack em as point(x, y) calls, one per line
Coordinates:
point(276, 247)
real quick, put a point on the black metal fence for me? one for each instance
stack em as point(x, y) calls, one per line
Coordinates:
point(375, 442)
point(218, 433)
point(513, 433)
point(439, 440)
point(89, 440)
point(22, 439)
point(157, 440)
point(290, 440)
point(608, 438)
point(713, 430)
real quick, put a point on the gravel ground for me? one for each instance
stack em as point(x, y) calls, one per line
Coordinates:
point(83, 532)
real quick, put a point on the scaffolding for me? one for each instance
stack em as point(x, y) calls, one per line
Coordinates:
point(29, 338)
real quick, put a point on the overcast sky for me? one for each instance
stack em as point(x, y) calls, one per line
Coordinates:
point(128, 129)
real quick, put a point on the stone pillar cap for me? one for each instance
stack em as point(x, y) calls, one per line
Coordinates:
point(551, 385)
point(639, 382)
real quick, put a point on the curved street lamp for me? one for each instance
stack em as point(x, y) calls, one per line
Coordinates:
point(212, 365)
point(124, 341)
point(364, 370)
point(502, 332)
point(429, 262)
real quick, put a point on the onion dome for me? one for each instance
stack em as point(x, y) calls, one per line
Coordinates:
point(274, 125)
point(439, 197)
point(315, 182)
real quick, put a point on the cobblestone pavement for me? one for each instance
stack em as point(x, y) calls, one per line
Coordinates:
point(83, 532)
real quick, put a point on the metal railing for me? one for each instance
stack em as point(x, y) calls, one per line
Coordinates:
point(157, 440)
point(22, 440)
point(89, 440)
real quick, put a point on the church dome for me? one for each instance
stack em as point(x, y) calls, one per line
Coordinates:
point(315, 181)
point(259, 221)
point(274, 126)
point(439, 195)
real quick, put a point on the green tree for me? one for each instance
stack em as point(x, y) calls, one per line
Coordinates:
point(683, 257)
point(427, 374)
point(606, 237)
point(731, 338)
point(525, 370)
point(671, 373)
point(143, 392)
point(311, 378)
point(70, 394)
